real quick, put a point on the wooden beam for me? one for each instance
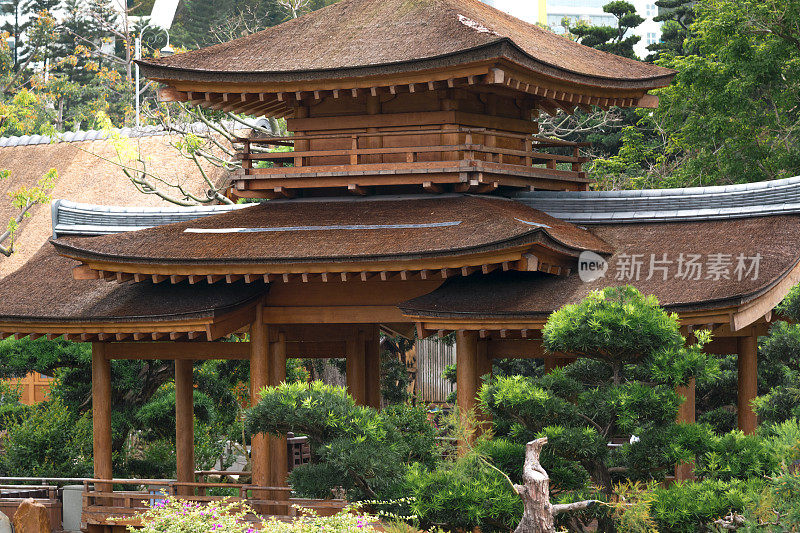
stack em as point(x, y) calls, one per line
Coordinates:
point(178, 350)
point(170, 94)
point(343, 314)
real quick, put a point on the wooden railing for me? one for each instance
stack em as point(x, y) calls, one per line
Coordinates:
point(101, 502)
point(256, 149)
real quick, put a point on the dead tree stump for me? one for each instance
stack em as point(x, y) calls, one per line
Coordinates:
point(539, 513)
point(535, 493)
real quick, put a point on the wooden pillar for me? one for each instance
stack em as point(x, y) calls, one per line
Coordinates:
point(467, 380)
point(748, 383)
point(356, 364)
point(184, 424)
point(278, 453)
point(686, 414)
point(101, 415)
point(372, 367)
point(259, 378)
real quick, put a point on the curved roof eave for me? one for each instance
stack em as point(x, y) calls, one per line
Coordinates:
point(502, 48)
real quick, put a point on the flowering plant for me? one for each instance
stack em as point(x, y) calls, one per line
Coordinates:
point(180, 516)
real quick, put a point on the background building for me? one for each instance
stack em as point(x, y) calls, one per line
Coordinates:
point(552, 12)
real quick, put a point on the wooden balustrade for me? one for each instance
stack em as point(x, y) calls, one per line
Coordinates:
point(101, 505)
point(255, 149)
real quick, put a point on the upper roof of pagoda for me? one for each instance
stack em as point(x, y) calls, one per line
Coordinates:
point(368, 38)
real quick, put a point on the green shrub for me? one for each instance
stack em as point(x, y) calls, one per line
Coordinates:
point(692, 506)
point(49, 442)
point(363, 450)
point(464, 494)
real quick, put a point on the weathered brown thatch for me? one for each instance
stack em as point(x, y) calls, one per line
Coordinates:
point(514, 294)
point(341, 230)
point(82, 177)
point(374, 37)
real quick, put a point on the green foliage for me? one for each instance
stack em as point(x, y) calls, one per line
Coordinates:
point(464, 494)
point(690, 507)
point(619, 325)
point(49, 441)
point(359, 448)
point(677, 16)
point(779, 353)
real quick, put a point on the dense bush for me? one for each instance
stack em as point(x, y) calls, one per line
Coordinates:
point(363, 450)
point(464, 494)
point(49, 442)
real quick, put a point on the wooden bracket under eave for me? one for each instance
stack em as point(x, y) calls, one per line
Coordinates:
point(648, 101)
point(84, 272)
point(170, 94)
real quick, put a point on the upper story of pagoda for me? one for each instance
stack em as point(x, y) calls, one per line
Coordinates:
point(398, 95)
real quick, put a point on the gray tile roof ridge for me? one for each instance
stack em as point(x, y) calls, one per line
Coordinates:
point(663, 205)
point(76, 218)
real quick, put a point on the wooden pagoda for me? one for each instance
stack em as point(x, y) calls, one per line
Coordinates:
point(417, 197)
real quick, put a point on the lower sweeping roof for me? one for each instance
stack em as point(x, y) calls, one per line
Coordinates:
point(339, 230)
point(653, 256)
point(43, 291)
point(527, 295)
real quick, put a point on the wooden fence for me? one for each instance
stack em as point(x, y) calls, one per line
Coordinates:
point(433, 355)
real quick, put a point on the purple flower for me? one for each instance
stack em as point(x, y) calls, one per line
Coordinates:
point(216, 526)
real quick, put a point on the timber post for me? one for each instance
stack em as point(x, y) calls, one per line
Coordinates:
point(259, 378)
point(184, 425)
point(372, 368)
point(101, 416)
point(356, 373)
point(748, 383)
point(278, 453)
point(466, 373)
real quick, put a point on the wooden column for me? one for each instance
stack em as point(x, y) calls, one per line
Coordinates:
point(259, 378)
point(372, 368)
point(748, 383)
point(356, 367)
point(686, 414)
point(101, 415)
point(278, 453)
point(184, 424)
point(466, 369)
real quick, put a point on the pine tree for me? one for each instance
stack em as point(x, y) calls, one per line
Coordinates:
point(612, 39)
point(677, 16)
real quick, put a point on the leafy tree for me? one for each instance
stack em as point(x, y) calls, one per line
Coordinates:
point(22, 200)
point(363, 450)
point(631, 358)
point(612, 39)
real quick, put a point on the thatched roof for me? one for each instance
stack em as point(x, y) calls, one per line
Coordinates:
point(376, 37)
point(530, 295)
point(81, 177)
point(339, 230)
